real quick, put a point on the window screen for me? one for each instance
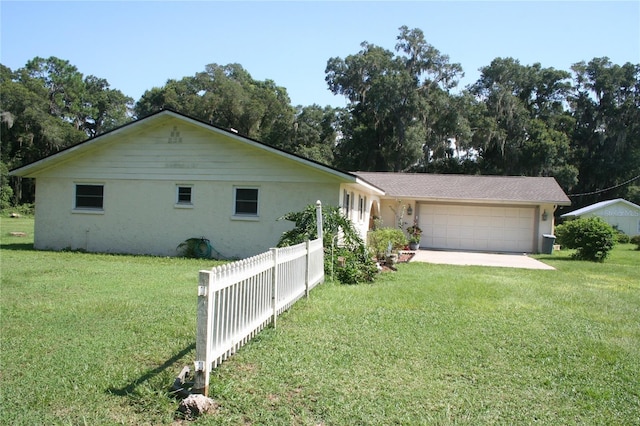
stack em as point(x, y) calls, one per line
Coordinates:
point(89, 196)
point(184, 194)
point(246, 201)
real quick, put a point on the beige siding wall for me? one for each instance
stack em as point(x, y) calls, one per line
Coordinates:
point(360, 205)
point(545, 227)
point(140, 173)
point(141, 216)
point(624, 221)
point(394, 212)
point(177, 150)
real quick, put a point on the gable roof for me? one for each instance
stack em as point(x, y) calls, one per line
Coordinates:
point(424, 186)
point(600, 205)
point(29, 170)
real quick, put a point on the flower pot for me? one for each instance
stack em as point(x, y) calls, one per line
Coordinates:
point(414, 246)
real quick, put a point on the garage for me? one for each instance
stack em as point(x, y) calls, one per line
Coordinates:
point(470, 212)
point(483, 228)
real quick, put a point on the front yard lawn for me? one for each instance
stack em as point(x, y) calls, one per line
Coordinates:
point(98, 339)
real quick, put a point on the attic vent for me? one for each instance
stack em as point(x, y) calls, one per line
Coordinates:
point(175, 137)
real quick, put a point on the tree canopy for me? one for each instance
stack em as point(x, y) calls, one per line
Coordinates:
point(390, 119)
point(404, 113)
point(48, 105)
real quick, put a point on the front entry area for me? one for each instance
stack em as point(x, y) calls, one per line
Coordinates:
point(478, 228)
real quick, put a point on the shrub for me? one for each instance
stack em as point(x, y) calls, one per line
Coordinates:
point(635, 240)
point(358, 265)
point(415, 233)
point(592, 238)
point(26, 210)
point(622, 238)
point(380, 239)
point(6, 192)
point(357, 268)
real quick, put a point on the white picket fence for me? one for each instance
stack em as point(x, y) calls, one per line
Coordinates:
point(237, 300)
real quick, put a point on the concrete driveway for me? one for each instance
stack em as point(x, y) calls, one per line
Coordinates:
point(504, 260)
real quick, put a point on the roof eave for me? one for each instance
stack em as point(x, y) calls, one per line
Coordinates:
point(368, 185)
point(478, 200)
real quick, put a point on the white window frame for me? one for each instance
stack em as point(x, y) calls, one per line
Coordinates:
point(242, 215)
point(360, 208)
point(88, 209)
point(346, 202)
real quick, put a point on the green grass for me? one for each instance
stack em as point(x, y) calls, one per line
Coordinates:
point(98, 339)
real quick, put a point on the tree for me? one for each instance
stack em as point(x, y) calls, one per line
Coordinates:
point(606, 137)
point(48, 105)
point(448, 134)
point(227, 96)
point(524, 128)
point(375, 130)
point(6, 192)
point(385, 124)
point(28, 130)
point(102, 108)
point(88, 103)
point(314, 133)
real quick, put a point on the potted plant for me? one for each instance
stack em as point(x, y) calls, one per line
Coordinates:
point(414, 236)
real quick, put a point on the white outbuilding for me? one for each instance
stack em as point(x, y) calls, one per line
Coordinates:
point(619, 213)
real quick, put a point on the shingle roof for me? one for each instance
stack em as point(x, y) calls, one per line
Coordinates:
point(600, 205)
point(423, 186)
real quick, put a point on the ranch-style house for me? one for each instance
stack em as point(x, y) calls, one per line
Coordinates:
point(149, 185)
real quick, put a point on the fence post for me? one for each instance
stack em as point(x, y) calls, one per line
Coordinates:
point(202, 363)
point(307, 269)
point(319, 218)
point(274, 286)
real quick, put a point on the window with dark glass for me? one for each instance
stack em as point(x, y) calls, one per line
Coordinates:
point(346, 202)
point(89, 196)
point(184, 194)
point(246, 201)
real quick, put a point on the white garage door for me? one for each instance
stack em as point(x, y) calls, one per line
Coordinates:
point(509, 229)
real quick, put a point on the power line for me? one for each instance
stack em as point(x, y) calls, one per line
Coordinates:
point(606, 189)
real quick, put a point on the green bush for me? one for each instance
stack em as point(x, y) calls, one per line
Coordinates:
point(353, 267)
point(592, 238)
point(622, 238)
point(635, 240)
point(6, 192)
point(341, 240)
point(21, 209)
point(380, 238)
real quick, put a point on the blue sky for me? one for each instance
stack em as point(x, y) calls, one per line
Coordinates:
point(137, 45)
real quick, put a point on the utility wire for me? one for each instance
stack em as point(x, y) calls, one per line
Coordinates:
point(606, 189)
